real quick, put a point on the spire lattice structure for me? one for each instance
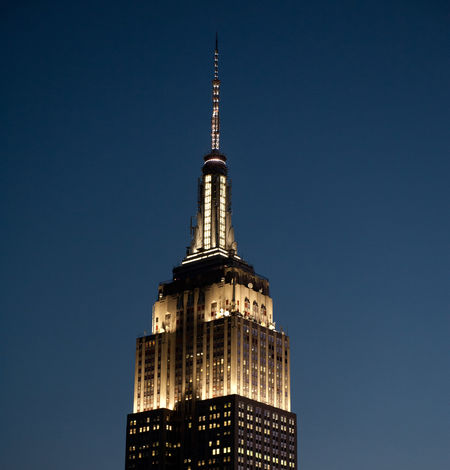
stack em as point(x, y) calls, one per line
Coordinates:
point(215, 119)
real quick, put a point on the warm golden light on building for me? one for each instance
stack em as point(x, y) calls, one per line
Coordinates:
point(212, 381)
point(249, 359)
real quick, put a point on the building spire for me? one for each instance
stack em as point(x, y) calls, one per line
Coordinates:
point(215, 120)
point(213, 233)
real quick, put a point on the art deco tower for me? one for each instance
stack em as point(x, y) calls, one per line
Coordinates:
point(212, 382)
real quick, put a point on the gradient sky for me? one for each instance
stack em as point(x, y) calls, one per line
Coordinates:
point(335, 120)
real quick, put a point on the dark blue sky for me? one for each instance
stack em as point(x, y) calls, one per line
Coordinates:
point(335, 120)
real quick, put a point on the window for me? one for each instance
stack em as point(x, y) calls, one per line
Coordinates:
point(207, 214)
point(247, 306)
point(222, 199)
point(213, 309)
point(255, 308)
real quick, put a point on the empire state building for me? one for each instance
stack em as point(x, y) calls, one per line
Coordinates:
point(212, 381)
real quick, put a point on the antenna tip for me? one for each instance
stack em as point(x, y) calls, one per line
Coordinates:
point(217, 41)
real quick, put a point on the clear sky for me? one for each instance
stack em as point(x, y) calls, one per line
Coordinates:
point(335, 120)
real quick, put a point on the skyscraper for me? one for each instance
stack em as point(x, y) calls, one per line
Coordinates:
point(212, 381)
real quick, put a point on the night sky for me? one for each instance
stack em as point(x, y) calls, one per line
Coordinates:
point(335, 120)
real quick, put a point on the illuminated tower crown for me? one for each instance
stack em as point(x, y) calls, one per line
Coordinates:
point(213, 233)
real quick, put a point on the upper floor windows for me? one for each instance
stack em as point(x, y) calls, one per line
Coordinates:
point(213, 309)
point(247, 306)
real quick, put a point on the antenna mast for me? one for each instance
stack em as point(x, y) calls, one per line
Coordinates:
point(215, 121)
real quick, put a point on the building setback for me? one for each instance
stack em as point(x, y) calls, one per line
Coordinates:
point(212, 382)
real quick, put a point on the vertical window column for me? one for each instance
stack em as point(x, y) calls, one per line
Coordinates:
point(207, 214)
point(222, 205)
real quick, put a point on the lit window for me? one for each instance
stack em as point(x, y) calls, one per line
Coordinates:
point(207, 214)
